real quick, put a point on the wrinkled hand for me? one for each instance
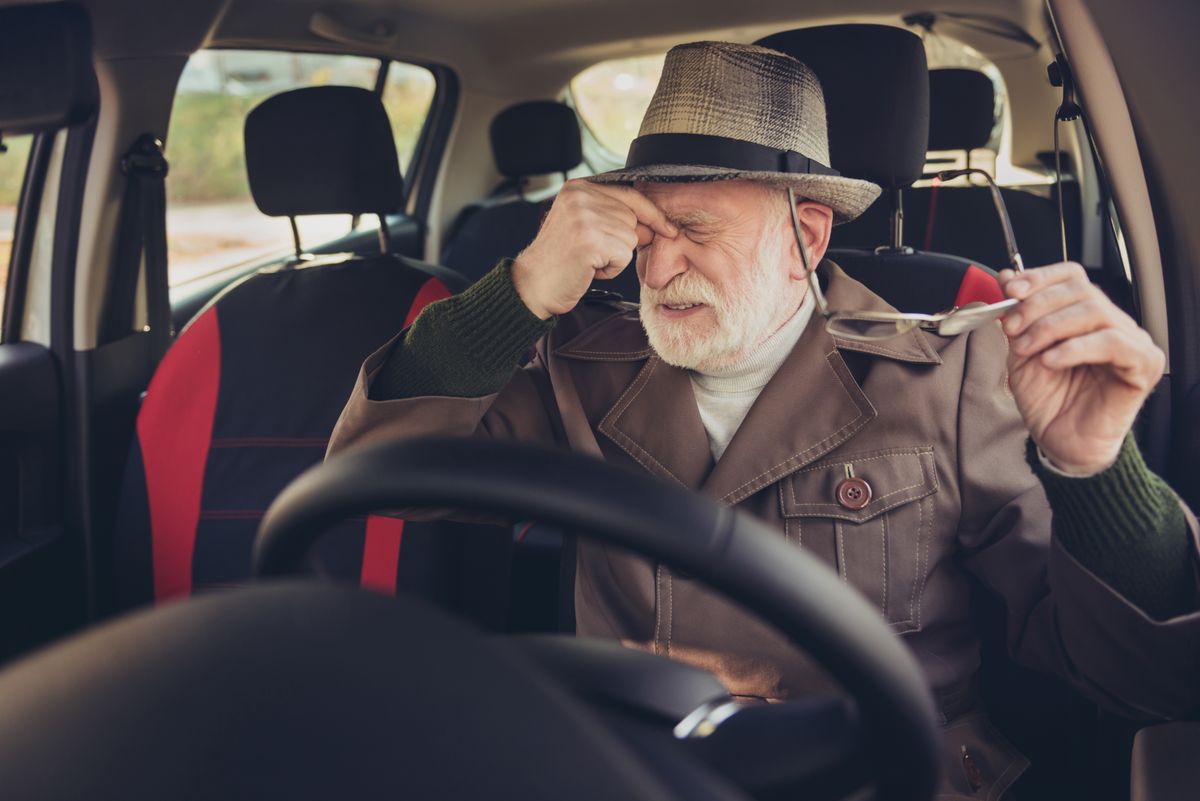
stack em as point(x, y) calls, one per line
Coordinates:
point(591, 231)
point(1079, 367)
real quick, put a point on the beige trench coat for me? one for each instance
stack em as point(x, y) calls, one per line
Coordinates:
point(927, 421)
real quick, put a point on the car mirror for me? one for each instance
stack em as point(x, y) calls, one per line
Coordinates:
point(47, 80)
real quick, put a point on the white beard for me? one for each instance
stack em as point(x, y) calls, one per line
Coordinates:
point(732, 325)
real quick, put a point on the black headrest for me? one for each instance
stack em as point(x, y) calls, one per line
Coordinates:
point(322, 150)
point(536, 138)
point(876, 87)
point(962, 109)
point(47, 80)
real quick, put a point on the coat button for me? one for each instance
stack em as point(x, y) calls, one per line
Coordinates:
point(853, 493)
point(971, 771)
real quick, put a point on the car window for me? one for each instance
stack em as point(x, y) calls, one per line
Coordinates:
point(212, 222)
point(611, 98)
point(13, 159)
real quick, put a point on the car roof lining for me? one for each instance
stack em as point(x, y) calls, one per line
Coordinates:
point(529, 50)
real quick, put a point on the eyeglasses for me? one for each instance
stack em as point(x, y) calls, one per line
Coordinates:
point(872, 326)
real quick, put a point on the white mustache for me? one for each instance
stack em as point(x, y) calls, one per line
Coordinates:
point(688, 288)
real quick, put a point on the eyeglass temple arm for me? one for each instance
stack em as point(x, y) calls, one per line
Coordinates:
point(1010, 241)
point(818, 295)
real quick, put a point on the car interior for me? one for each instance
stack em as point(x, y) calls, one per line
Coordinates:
point(219, 208)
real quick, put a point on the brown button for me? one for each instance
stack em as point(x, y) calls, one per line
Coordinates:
point(971, 771)
point(853, 493)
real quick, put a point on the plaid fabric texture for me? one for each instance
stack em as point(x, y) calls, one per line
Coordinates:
point(752, 94)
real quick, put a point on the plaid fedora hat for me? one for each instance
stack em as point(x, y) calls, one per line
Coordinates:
point(725, 112)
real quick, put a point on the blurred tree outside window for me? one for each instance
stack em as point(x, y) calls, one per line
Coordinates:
point(212, 222)
point(12, 173)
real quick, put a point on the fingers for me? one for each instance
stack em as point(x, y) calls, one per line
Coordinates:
point(1130, 354)
point(610, 271)
point(646, 212)
point(1063, 314)
point(645, 235)
point(1022, 285)
point(1064, 321)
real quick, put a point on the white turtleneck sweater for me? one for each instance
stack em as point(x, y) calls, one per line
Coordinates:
point(725, 396)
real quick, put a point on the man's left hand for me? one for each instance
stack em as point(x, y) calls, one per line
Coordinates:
point(1079, 367)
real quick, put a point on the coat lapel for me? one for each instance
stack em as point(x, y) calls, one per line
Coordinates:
point(655, 419)
point(813, 404)
point(657, 423)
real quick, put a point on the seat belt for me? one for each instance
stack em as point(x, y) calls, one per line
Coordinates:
point(143, 235)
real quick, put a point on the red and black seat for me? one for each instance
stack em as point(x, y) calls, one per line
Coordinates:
point(246, 397)
point(877, 107)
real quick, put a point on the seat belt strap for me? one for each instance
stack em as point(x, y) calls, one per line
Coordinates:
point(144, 235)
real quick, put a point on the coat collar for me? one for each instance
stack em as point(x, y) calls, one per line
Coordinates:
point(811, 406)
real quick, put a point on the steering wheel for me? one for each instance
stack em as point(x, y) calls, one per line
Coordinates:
point(897, 742)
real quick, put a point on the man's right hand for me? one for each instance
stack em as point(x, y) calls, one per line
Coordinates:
point(590, 232)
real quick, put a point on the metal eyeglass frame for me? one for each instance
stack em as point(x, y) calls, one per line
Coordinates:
point(952, 322)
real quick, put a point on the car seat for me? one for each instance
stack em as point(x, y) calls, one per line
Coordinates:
point(960, 219)
point(877, 107)
point(246, 397)
point(538, 137)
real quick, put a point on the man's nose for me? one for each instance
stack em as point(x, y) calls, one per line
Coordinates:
point(661, 261)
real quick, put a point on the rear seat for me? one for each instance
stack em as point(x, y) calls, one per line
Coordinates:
point(539, 137)
point(961, 219)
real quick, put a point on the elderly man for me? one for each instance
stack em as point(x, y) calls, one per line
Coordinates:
point(906, 462)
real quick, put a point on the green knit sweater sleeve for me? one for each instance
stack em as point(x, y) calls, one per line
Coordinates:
point(1126, 526)
point(465, 346)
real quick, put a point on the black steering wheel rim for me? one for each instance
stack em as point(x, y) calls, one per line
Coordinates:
point(729, 550)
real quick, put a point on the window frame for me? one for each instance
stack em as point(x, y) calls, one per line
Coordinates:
point(29, 202)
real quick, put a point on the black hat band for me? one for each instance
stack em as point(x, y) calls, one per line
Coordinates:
point(719, 151)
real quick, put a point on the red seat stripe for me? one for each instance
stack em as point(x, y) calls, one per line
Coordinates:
point(978, 284)
point(430, 291)
point(381, 554)
point(174, 428)
point(381, 547)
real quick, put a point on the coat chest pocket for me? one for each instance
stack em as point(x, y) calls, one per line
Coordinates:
point(881, 548)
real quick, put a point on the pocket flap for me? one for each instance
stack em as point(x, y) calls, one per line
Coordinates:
point(895, 476)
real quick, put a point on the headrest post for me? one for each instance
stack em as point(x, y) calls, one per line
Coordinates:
point(385, 236)
point(896, 199)
point(295, 237)
point(895, 246)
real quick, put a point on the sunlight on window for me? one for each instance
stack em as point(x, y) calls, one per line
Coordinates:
point(943, 53)
point(213, 224)
point(12, 173)
point(612, 96)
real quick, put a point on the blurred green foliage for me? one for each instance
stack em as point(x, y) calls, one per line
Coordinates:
point(12, 168)
point(204, 143)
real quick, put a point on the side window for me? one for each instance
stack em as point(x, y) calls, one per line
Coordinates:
point(212, 222)
point(611, 98)
point(14, 156)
